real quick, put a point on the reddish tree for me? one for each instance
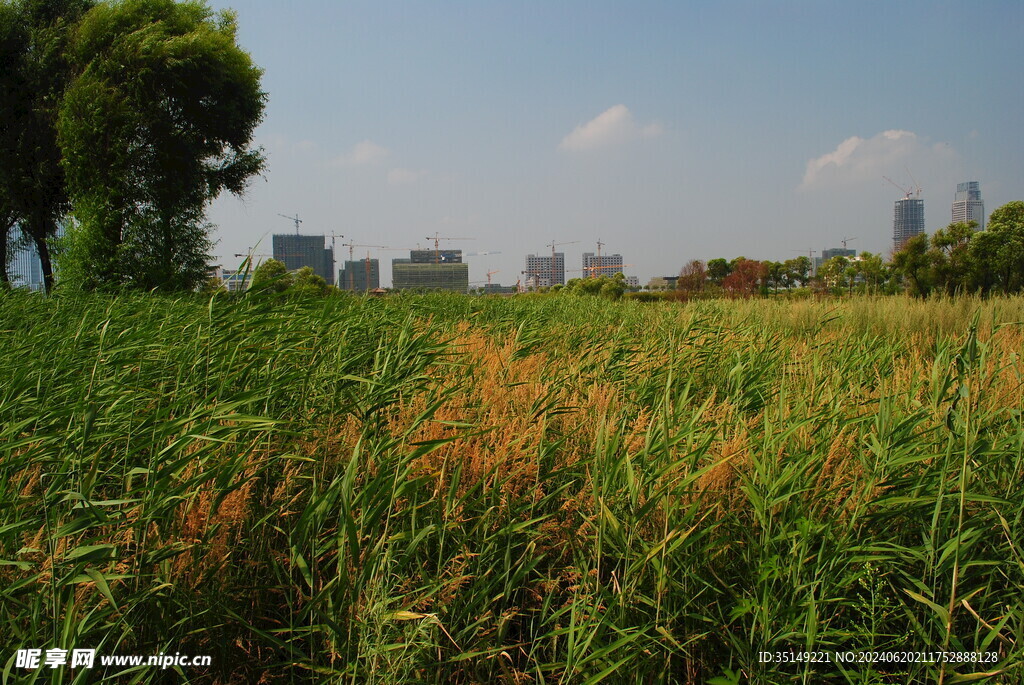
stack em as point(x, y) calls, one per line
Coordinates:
point(746, 278)
point(692, 278)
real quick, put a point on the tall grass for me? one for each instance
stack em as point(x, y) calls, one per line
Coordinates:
point(549, 490)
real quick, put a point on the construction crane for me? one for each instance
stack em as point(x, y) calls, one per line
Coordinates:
point(534, 274)
point(351, 250)
point(437, 240)
point(295, 218)
point(810, 253)
point(906, 193)
point(489, 274)
point(352, 246)
point(553, 245)
point(914, 181)
point(592, 269)
point(333, 236)
point(599, 246)
point(846, 240)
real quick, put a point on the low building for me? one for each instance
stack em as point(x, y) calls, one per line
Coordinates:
point(232, 280)
point(662, 283)
point(423, 271)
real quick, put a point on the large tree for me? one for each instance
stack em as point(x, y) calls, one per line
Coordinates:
point(34, 74)
point(913, 262)
point(158, 122)
point(952, 262)
point(998, 251)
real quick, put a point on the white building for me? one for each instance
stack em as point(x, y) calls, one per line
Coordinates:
point(967, 204)
point(603, 265)
point(548, 270)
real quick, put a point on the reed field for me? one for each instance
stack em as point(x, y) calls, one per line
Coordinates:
point(549, 489)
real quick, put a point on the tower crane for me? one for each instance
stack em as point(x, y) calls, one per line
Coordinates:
point(846, 240)
point(553, 245)
point(914, 181)
point(437, 240)
point(352, 246)
point(529, 274)
point(295, 218)
point(351, 249)
point(591, 269)
point(906, 193)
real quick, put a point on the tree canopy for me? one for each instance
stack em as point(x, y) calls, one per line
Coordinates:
point(157, 122)
point(35, 73)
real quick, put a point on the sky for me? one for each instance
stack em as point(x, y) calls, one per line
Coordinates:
point(669, 131)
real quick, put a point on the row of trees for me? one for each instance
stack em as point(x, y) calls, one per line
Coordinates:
point(122, 121)
point(961, 259)
point(955, 259)
point(742, 276)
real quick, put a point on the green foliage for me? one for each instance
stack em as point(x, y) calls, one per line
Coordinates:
point(718, 269)
point(1000, 249)
point(913, 263)
point(157, 122)
point(309, 284)
point(35, 72)
point(306, 491)
point(272, 275)
point(608, 287)
point(960, 259)
point(833, 273)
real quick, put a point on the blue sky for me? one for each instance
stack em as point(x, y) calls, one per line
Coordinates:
point(669, 130)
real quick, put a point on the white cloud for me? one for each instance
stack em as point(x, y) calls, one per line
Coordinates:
point(612, 127)
point(859, 159)
point(362, 154)
point(403, 176)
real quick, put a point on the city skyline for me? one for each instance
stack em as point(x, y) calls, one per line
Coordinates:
point(668, 131)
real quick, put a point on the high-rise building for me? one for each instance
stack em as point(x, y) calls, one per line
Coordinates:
point(908, 220)
point(603, 265)
point(23, 266)
point(430, 270)
point(297, 251)
point(360, 275)
point(546, 270)
point(967, 204)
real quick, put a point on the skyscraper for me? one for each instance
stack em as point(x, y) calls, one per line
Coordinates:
point(967, 204)
point(297, 251)
point(908, 220)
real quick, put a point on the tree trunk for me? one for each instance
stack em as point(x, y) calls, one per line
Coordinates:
point(44, 261)
point(5, 228)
